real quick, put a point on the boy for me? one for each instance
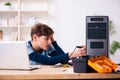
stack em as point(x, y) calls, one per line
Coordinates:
point(43, 49)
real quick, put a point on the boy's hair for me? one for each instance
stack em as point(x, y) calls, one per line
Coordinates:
point(41, 29)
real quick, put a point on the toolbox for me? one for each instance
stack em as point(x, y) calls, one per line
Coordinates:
point(80, 64)
point(102, 64)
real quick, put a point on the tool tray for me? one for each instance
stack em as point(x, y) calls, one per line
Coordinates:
point(102, 64)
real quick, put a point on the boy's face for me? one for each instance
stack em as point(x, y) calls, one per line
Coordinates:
point(43, 42)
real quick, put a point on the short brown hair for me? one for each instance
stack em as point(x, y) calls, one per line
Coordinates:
point(41, 29)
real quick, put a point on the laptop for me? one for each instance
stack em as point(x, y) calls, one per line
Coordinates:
point(14, 55)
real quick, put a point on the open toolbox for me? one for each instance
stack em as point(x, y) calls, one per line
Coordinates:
point(102, 64)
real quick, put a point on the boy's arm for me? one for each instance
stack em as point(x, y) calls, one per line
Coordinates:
point(57, 48)
point(49, 60)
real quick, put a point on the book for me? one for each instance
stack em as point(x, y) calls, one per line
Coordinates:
point(1, 35)
point(14, 36)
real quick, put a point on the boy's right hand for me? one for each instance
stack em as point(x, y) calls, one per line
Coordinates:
point(78, 52)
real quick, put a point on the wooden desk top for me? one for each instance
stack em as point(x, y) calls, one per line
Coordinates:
point(50, 72)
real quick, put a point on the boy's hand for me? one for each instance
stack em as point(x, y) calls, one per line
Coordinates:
point(52, 39)
point(78, 52)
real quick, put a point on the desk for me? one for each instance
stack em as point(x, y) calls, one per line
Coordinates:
point(50, 72)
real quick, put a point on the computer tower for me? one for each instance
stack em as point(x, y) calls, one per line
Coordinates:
point(97, 36)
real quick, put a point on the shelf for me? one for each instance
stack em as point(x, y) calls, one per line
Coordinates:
point(21, 16)
point(10, 26)
point(8, 10)
point(34, 11)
